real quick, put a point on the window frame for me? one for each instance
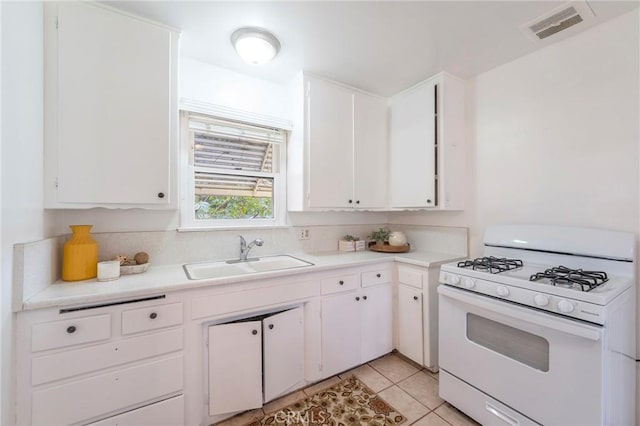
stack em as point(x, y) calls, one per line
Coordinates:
point(188, 221)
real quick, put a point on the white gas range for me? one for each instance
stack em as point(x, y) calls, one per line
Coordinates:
point(541, 330)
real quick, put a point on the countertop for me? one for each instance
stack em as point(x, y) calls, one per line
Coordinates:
point(173, 278)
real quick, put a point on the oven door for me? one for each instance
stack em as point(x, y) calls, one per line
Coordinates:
point(544, 366)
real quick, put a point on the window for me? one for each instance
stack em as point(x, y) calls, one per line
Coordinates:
point(235, 173)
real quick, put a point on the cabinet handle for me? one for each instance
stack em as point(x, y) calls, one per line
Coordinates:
point(254, 332)
point(364, 297)
point(357, 201)
point(415, 297)
point(270, 326)
point(160, 194)
point(153, 315)
point(357, 298)
point(71, 329)
point(378, 275)
point(428, 200)
point(341, 282)
point(350, 201)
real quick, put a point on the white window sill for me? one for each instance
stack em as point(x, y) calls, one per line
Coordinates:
point(232, 228)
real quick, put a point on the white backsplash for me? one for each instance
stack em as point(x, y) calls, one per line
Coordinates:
point(37, 264)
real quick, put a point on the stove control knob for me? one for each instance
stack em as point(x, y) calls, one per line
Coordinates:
point(541, 300)
point(565, 306)
point(454, 279)
point(502, 291)
point(469, 283)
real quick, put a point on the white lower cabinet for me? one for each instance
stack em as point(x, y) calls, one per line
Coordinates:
point(417, 314)
point(410, 335)
point(75, 366)
point(254, 361)
point(235, 367)
point(68, 403)
point(356, 328)
point(377, 330)
point(340, 333)
point(283, 349)
point(169, 412)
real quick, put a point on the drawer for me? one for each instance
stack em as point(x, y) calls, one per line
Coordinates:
point(97, 396)
point(59, 334)
point(169, 412)
point(338, 283)
point(151, 318)
point(383, 276)
point(410, 277)
point(48, 368)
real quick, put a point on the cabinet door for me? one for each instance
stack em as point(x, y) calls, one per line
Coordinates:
point(330, 139)
point(371, 156)
point(410, 335)
point(340, 333)
point(113, 107)
point(283, 352)
point(377, 321)
point(235, 367)
point(413, 144)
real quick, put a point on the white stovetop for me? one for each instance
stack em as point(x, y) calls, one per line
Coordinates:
point(519, 277)
point(173, 278)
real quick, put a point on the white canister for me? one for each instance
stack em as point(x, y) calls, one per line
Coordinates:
point(108, 270)
point(397, 239)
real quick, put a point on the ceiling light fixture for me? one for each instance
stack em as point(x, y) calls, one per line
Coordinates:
point(255, 45)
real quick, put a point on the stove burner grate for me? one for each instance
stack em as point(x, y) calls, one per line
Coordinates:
point(491, 264)
point(563, 276)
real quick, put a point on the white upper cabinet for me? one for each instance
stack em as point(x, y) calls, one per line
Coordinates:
point(413, 145)
point(330, 138)
point(370, 151)
point(110, 109)
point(337, 153)
point(426, 145)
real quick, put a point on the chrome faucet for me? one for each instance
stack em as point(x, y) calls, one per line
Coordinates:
point(244, 248)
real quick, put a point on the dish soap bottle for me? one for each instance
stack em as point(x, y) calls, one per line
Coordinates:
point(80, 255)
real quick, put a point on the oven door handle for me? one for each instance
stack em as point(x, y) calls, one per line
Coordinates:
point(523, 314)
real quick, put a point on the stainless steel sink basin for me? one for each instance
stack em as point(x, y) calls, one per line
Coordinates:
point(229, 268)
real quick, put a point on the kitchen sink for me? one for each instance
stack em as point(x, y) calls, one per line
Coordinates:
point(229, 268)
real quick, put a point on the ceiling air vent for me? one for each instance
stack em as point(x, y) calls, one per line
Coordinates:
point(558, 20)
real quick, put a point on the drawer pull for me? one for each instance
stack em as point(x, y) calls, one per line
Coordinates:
point(341, 282)
point(160, 194)
point(153, 315)
point(364, 297)
point(71, 329)
point(378, 275)
point(357, 298)
point(415, 297)
point(270, 326)
point(254, 332)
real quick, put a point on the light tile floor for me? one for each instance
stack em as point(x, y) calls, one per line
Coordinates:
point(410, 389)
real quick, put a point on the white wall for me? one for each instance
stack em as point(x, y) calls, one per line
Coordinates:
point(23, 217)
point(557, 133)
point(220, 86)
point(553, 137)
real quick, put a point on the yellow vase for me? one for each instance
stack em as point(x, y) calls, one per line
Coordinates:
point(80, 255)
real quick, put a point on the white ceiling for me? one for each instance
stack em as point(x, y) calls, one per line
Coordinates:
point(379, 46)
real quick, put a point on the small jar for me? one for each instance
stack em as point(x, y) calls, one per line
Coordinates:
point(397, 239)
